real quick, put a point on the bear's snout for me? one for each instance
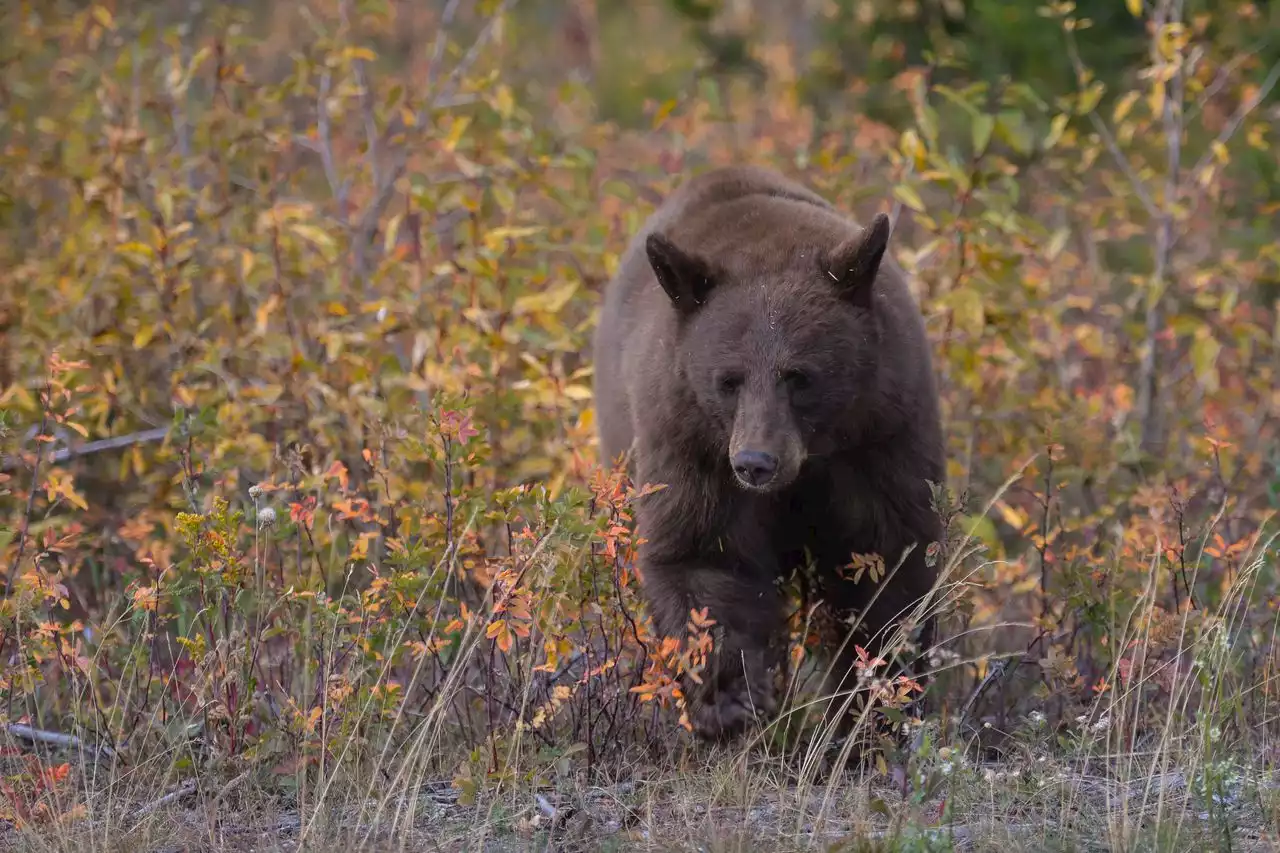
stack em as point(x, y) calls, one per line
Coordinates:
point(755, 468)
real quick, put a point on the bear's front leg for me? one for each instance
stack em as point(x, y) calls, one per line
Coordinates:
point(738, 685)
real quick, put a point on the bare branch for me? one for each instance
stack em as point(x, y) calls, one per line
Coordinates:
point(325, 147)
point(1108, 138)
point(442, 31)
point(366, 103)
point(1150, 412)
point(1219, 81)
point(362, 239)
point(1241, 114)
point(448, 90)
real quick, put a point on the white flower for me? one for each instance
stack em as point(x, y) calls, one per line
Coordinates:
point(255, 491)
point(266, 517)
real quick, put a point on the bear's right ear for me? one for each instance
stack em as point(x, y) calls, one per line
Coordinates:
point(685, 278)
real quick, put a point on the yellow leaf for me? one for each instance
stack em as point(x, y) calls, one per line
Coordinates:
point(504, 103)
point(1124, 105)
point(316, 237)
point(456, 130)
point(1056, 129)
point(1134, 7)
point(549, 301)
point(1027, 584)
point(577, 392)
point(61, 484)
point(494, 239)
point(663, 111)
point(263, 315)
point(135, 248)
point(1156, 98)
point(1012, 515)
point(968, 311)
point(360, 53)
point(143, 336)
point(1057, 243)
point(103, 16)
point(908, 196)
point(1089, 98)
point(911, 146)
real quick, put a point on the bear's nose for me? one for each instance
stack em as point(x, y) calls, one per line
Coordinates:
point(754, 467)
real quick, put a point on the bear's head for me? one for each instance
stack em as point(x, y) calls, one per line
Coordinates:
point(779, 346)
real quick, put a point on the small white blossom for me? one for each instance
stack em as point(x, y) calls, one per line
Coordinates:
point(266, 517)
point(255, 491)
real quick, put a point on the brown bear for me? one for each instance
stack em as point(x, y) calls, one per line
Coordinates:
point(761, 358)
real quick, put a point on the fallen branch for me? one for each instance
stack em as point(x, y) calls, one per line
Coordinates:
point(21, 731)
point(12, 463)
point(186, 789)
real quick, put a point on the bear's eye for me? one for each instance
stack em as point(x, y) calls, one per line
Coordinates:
point(797, 380)
point(728, 384)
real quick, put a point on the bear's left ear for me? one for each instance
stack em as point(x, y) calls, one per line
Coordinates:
point(855, 262)
point(686, 279)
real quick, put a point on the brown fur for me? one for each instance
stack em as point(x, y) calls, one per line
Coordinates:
point(750, 320)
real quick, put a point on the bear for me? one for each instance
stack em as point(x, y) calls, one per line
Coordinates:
point(760, 358)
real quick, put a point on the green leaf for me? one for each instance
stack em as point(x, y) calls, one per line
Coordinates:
point(981, 528)
point(981, 128)
point(1012, 128)
point(1204, 359)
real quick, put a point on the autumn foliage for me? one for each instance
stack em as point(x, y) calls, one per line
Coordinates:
point(295, 417)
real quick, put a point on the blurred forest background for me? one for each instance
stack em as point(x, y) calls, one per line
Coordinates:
point(299, 499)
